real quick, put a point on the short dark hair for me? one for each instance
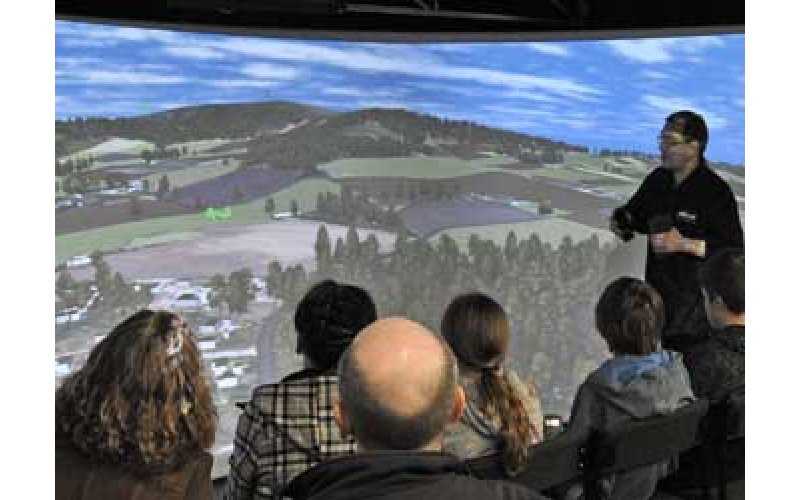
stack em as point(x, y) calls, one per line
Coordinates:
point(630, 317)
point(328, 318)
point(690, 125)
point(722, 275)
point(379, 428)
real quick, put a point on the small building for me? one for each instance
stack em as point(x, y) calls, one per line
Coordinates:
point(283, 215)
point(79, 261)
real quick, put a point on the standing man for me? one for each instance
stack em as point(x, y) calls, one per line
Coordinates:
point(689, 213)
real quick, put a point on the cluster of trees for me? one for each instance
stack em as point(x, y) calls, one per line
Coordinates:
point(160, 153)
point(181, 125)
point(404, 133)
point(113, 288)
point(549, 293)
point(72, 293)
point(356, 209)
point(542, 156)
point(626, 152)
point(73, 166)
point(114, 291)
point(235, 292)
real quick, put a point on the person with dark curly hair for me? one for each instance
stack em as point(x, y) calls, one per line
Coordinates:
point(288, 427)
point(136, 420)
point(502, 413)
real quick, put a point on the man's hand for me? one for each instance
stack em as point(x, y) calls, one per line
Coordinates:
point(674, 242)
point(613, 226)
point(620, 227)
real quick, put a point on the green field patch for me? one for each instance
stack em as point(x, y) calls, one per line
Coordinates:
point(200, 146)
point(116, 145)
point(163, 229)
point(202, 172)
point(550, 230)
point(421, 167)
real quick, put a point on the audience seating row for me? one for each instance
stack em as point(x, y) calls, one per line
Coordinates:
point(708, 438)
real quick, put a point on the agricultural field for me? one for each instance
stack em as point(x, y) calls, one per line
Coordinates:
point(115, 146)
point(218, 248)
point(431, 217)
point(421, 167)
point(118, 236)
point(201, 146)
point(202, 171)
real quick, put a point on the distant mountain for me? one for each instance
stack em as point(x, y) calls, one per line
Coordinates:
point(390, 132)
point(185, 124)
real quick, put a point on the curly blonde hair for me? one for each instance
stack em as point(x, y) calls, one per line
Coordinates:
point(141, 400)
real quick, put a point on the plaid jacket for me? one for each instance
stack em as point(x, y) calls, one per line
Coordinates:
point(285, 429)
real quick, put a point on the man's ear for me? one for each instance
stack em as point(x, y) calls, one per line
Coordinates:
point(459, 403)
point(341, 417)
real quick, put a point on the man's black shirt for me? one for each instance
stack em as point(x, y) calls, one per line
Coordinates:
point(702, 207)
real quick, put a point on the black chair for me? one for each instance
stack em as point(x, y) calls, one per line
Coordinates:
point(636, 444)
point(551, 463)
point(717, 459)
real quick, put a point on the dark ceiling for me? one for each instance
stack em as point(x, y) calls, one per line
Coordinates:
point(412, 20)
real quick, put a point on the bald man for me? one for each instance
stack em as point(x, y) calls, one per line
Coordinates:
point(398, 390)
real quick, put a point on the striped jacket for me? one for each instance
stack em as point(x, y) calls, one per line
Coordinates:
point(285, 429)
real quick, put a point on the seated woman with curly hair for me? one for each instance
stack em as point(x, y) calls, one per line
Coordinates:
point(135, 420)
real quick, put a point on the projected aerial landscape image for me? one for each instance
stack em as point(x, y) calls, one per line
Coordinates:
point(221, 176)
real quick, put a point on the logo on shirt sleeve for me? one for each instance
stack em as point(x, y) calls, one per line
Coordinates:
point(686, 216)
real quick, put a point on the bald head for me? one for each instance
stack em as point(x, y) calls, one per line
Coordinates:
point(398, 386)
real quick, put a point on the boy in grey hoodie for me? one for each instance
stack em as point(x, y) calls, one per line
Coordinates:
point(639, 381)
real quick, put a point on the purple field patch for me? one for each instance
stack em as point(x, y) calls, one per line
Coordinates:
point(236, 187)
point(427, 218)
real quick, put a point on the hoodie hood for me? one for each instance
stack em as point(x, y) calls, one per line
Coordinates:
point(643, 386)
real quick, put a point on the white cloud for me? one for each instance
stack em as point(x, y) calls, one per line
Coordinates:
point(529, 96)
point(188, 52)
point(269, 71)
point(112, 34)
point(359, 59)
point(231, 84)
point(663, 106)
point(662, 50)
point(551, 49)
point(104, 77)
point(77, 43)
point(577, 120)
point(358, 92)
point(655, 75)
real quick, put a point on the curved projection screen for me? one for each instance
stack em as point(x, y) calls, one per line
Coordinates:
point(220, 176)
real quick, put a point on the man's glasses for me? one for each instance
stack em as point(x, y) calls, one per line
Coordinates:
point(669, 140)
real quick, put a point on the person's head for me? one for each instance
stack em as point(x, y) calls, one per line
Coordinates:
point(141, 400)
point(398, 386)
point(477, 330)
point(630, 317)
point(327, 320)
point(722, 283)
point(683, 140)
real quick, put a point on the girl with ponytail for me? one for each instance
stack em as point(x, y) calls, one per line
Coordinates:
point(502, 414)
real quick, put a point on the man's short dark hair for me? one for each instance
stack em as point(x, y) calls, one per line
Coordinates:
point(328, 318)
point(722, 275)
point(377, 427)
point(690, 125)
point(630, 317)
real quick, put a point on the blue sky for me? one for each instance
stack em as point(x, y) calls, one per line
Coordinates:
point(599, 94)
